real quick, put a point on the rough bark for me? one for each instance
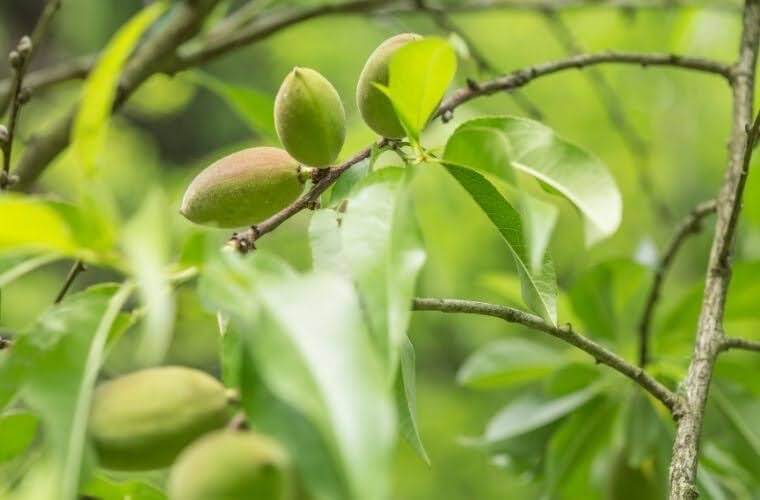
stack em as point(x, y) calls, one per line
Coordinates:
point(709, 338)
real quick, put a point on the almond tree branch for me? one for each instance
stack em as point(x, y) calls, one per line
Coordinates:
point(600, 353)
point(19, 59)
point(709, 336)
point(244, 241)
point(76, 268)
point(738, 343)
point(691, 225)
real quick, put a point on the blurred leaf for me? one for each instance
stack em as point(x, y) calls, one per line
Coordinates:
point(498, 144)
point(254, 107)
point(99, 91)
point(642, 428)
point(406, 401)
point(573, 446)
point(106, 488)
point(377, 244)
point(17, 431)
point(57, 361)
point(609, 298)
point(508, 362)
point(539, 291)
point(531, 411)
point(571, 377)
point(9, 275)
point(33, 224)
point(161, 96)
point(740, 422)
point(146, 245)
point(419, 74)
point(382, 246)
point(314, 353)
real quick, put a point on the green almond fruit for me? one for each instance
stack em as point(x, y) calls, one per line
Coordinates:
point(375, 107)
point(232, 465)
point(309, 118)
point(243, 188)
point(142, 420)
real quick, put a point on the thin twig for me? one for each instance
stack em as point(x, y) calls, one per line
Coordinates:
point(692, 224)
point(635, 144)
point(19, 59)
point(709, 337)
point(739, 343)
point(444, 21)
point(244, 241)
point(76, 268)
point(600, 353)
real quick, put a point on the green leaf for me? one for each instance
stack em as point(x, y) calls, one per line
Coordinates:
point(419, 74)
point(530, 412)
point(26, 266)
point(539, 218)
point(406, 401)
point(346, 182)
point(498, 145)
point(508, 362)
point(573, 446)
point(56, 362)
point(741, 423)
point(378, 245)
point(314, 353)
point(106, 488)
point(17, 431)
point(146, 242)
point(610, 296)
point(99, 91)
point(254, 107)
point(539, 290)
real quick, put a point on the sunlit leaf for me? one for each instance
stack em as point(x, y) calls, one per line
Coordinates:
point(419, 74)
point(508, 362)
point(100, 88)
point(17, 431)
point(499, 145)
point(310, 346)
point(539, 290)
point(377, 244)
point(146, 245)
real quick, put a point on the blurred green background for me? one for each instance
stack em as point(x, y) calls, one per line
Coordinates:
point(174, 127)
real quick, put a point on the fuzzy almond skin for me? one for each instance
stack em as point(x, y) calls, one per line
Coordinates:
point(232, 465)
point(375, 107)
point(142, 420)
point(243, 188)
point(309, 118)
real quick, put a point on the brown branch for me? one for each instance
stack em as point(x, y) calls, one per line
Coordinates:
point(76, 268)
point(709, 336)
point(19, 59)
point(600, 353)
point(692, 224)
point(739, 343)
point(245, 241)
